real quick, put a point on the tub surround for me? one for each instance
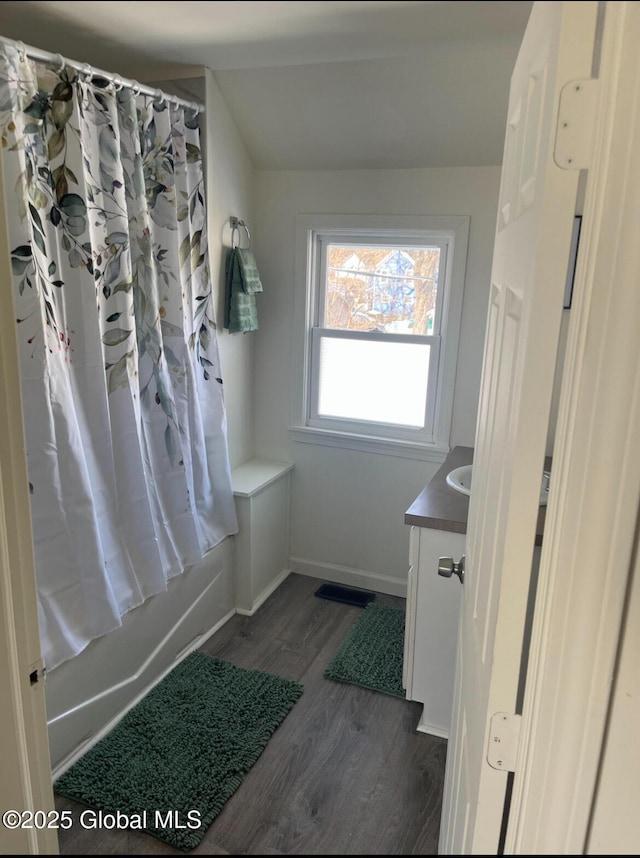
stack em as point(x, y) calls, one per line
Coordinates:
point(87, 695)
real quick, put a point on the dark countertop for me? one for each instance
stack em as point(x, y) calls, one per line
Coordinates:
point(440, 507)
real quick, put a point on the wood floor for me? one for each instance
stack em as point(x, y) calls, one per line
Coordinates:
point(344, 774)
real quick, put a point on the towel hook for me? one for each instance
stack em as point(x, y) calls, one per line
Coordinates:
point(236, 224)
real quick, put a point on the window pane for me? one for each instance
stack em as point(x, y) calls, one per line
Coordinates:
point(373, 381)
point(381, 288)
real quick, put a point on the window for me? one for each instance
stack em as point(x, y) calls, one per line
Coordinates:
point(380, 331)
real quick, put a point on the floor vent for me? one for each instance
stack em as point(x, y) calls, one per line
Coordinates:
point(336, 593)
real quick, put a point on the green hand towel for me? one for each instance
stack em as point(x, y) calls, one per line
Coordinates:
point(241, 314)
point(249, 272)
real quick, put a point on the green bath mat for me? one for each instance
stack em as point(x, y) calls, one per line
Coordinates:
point(372, 653)
point(174, 759)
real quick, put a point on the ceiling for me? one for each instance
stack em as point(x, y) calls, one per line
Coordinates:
point(314, 85)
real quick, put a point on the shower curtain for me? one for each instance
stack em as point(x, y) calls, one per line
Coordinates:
point(123, 408)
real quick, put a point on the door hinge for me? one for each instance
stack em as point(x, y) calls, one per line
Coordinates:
point(504, 733)
point(37, 672)
point(576, 126)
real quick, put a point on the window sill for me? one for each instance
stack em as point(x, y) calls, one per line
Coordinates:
point(368, 444)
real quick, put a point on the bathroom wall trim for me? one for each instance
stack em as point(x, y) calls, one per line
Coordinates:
point(431, 729)
point(426, 452)
point(262, 598)
point(351, 577)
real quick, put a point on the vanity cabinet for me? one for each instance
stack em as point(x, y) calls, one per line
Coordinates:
point(438, 521)
point(431, 627)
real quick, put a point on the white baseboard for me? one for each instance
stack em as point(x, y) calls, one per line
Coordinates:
point(262, 598)
point(424, 727)
point(349, 576)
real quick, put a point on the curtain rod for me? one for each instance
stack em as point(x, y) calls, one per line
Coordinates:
point(91, 72)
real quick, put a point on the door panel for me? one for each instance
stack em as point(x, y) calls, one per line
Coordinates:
point(531, 253)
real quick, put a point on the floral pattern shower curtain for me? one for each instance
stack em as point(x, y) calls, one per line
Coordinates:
point(123, 407)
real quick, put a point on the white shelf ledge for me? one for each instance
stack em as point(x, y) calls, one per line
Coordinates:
point(253, 476)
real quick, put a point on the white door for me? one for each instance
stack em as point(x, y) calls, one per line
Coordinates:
point(531, 252)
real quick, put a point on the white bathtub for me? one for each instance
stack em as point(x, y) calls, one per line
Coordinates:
point(88, 693)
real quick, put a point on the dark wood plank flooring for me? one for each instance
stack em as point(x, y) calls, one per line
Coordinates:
point(344, 774)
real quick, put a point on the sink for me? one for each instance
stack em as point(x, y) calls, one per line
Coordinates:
point(460, 480)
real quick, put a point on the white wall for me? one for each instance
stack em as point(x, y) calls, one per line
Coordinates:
point(348, 507)
point(230, 184)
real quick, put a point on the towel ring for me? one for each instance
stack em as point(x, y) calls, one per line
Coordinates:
point(236, 225)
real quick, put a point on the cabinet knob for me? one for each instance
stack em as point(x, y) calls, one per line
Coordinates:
point(448, 567)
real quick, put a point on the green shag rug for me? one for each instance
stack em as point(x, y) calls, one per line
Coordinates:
point(184, 748)
point(372, 653)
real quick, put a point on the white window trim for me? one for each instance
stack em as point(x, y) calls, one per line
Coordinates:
point(456, 230)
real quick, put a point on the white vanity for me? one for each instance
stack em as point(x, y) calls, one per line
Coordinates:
point(438, 520)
